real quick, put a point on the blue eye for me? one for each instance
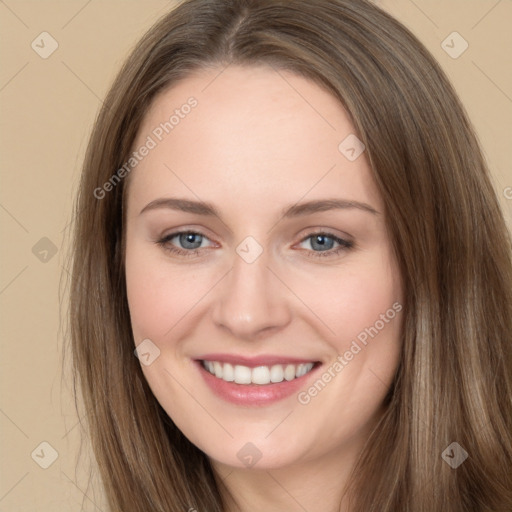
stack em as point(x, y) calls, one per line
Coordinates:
point(191, 242)
point(321, 241)
point(187, 239)
point(190, 239)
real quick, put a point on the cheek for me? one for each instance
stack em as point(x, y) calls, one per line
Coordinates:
point(351, 301)
point(151, 299)
point(363, 310)
point(161, 294)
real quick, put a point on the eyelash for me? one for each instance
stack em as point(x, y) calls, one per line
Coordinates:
point(344, 244)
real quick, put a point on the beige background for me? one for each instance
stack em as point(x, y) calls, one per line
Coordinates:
point(48, 106)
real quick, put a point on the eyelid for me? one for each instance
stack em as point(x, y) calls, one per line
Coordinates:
point(344, 244)
point(173, 234)
point(331, 232)
point(186, 230)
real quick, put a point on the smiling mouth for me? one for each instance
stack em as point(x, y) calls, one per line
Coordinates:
point(262, 375)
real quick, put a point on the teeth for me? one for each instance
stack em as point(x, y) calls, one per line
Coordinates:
point(228, 373)
point(218, 369)
point(289, 372)
point(242, 375)
point(259, 375)
point(276, 373)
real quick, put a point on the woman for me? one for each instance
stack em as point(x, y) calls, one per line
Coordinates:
point(269, 373)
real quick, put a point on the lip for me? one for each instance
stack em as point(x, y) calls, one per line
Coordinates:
point(253, 362)
point(254, 395)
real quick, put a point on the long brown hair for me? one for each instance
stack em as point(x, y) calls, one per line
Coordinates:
point(454, 380)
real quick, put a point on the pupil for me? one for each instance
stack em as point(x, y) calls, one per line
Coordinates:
point(320, 240)
point(190, 238)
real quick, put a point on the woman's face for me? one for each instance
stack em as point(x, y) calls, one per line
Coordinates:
point(284, 267)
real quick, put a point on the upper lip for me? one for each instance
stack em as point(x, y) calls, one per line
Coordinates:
point(252, 362)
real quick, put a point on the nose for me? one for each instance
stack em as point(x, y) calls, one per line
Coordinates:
point(252, 300)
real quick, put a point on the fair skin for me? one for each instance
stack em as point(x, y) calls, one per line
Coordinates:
point(257, 142)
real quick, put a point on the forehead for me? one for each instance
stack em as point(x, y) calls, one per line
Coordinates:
point(248, 133)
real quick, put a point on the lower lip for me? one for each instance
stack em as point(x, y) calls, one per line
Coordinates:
point(254, 394)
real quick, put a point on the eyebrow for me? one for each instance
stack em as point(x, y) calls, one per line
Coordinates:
point(295, 210)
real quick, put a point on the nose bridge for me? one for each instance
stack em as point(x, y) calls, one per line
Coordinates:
point(251, 299)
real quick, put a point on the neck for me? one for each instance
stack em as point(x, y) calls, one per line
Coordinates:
point(313, 484)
